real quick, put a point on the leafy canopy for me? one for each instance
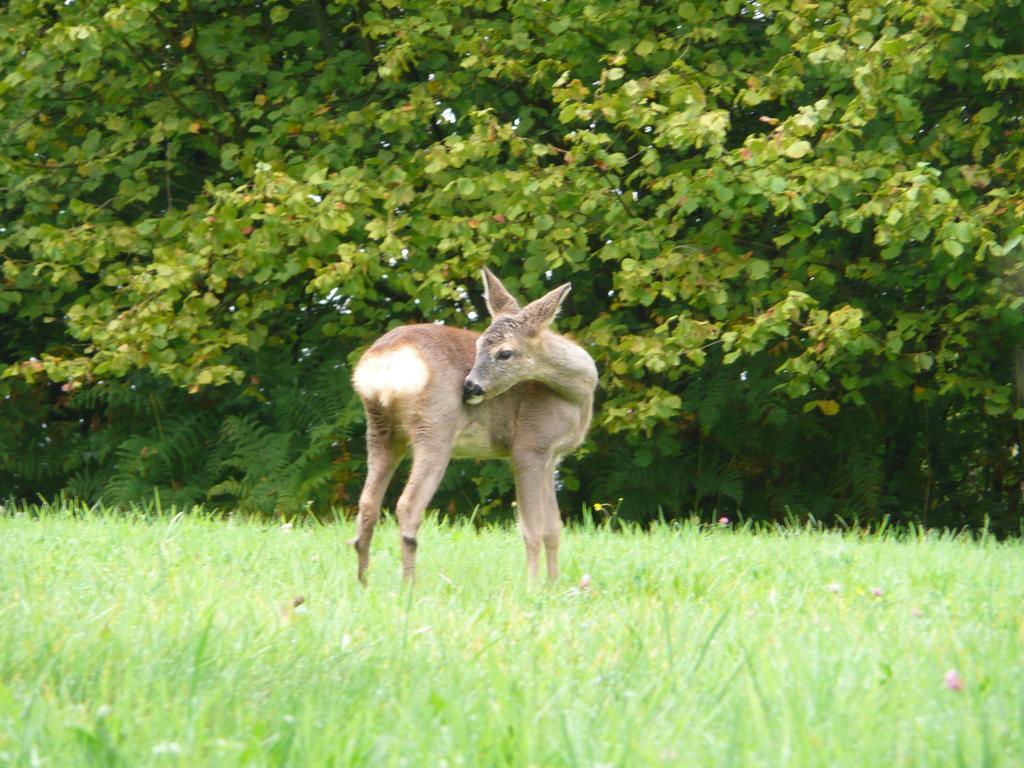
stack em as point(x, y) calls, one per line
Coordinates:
point(793, 231)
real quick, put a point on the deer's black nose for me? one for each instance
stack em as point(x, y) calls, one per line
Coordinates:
point(470, 390)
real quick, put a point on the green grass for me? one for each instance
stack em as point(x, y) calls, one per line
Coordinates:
point(173, 641)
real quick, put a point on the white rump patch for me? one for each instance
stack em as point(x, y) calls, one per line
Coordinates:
point(391, 373)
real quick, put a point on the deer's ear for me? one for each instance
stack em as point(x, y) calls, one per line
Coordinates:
point(538, 314)
point(499, 301)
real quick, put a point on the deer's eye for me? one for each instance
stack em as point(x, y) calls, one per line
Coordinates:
point(504, 354)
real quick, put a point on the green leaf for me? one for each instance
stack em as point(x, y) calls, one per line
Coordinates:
point(643, 457)
point(759, 269)
point(645, 47)
point(798, 149)
point(953, 247)
point(987, 114)
point(827, 407)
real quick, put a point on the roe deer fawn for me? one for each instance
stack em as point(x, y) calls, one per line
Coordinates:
point(517, 391)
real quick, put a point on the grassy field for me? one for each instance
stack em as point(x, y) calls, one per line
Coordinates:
point(167, 640)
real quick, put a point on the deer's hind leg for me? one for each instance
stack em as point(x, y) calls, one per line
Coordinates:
point(431, 451)
point(384, 451)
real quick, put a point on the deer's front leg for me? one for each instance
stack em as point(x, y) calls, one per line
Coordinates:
point(552, 525)
point(539, 520)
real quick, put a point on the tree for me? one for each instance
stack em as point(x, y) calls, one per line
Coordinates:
point(793, 232)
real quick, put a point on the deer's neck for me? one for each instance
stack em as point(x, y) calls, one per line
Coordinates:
point(567, 369)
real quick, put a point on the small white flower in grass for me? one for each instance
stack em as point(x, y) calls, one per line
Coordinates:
point(916, 612)
point(724, 520)
point(876, 591)
point(422, 631)
point(585, 582)
point(286, 527)
point(167, 748)
point(953, 680)
point(834, 588)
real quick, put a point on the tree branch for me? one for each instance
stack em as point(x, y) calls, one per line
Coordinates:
point(323, 28)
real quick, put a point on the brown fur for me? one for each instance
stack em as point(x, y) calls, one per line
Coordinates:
point(536, 407)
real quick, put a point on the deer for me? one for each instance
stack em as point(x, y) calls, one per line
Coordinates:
point(518, 391)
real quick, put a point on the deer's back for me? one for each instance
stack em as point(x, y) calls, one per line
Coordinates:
point(414, 361)
point(413, 376)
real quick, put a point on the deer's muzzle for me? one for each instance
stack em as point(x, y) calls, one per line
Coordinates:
point(472, 392)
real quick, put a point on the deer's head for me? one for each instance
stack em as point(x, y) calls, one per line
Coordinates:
point(510, 350)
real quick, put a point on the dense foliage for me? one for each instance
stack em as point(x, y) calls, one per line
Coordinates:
point(793, 231)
